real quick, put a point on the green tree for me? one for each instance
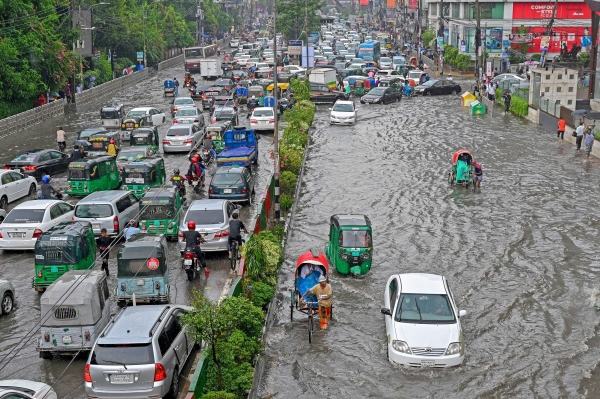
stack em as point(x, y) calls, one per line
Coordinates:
point(428, 37)
point(297, 18)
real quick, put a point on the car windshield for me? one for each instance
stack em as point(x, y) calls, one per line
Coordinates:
point(136, 113)
point(355, 239)
point(414, 75)
point(425, 309)
point(131, 155)
point(343, 108)
point(25, 158)
point(182, 131)
point(93, 211)
point(183, 101)
point(118, 354)
point(25, 216)
point(378, 91)
point(203, 217)
point(263, 112)
point(89, 132)
point(227, 178)
point(186, 112)
point(429, 83)
point(384, 59)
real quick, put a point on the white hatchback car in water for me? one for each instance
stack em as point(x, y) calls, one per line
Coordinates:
point(422, 321)
point(342, 113)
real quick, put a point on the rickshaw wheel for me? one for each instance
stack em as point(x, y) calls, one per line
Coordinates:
point(292, 301)
point(310, 329)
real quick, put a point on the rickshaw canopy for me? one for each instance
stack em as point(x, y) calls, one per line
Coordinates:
point(459, 153)
point(143, 255)
point(313, 257)
point(282, 86)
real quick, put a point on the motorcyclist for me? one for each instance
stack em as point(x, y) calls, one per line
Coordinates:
point(292, 100)
point(47, 189)
point(196, 169)
point(77, 153)
point(407, 89)
point(210, 145)
point(179, 182)
point(112, 148)
point(61, 138)
point(192, 241)
point(253, 103)
point(193, 153)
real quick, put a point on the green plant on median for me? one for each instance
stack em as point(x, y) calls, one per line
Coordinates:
point(287, 182)
point(262, 294)
point(519, 106)
point(263, 256)
point(218, 395)
point(463, 62)
point(301, 89)
point(286, 202)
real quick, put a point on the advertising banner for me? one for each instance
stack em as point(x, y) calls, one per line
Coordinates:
point(391, 3)
point(545, 43)
point(520, 38)
point(364, 2)
point(562, 36)
point(413, 4)
point(544, 11)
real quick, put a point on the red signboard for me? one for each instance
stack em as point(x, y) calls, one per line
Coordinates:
point(545, 10)
point(561, 35)
point(364, 2)
point(413, 4)
point(391, 3)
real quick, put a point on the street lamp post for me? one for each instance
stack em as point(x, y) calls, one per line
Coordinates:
point(144, 13)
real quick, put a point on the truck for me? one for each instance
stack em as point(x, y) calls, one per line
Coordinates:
point(323, 76)
point(240, 148)
point(210, 68)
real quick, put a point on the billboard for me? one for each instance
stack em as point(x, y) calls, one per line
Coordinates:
point(545, 10)
point(413, 4)
point(391, 3)
point(562, 35)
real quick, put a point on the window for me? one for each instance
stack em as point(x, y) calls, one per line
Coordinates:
point(558, 89)
point(425, 309)
point(45, 157)
point(55, 212)
point(15, 176)
point(133, 198)
point(6, 178)
point(547, 89)
point(571, 77)
point(109, 355)
point(393, 293)
point(123, 204)
point(65, 208)
point(547, 77)
point(56, 155)
point(569, 102)
point(65, 313)
point(557, 101)
point(570, 89)
point(164, 342)
point(433, 9)
point(559, 76)
point(93, 211)
point(25, 216)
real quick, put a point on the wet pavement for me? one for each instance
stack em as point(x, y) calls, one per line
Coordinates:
point(18, 267)
point(521, 256)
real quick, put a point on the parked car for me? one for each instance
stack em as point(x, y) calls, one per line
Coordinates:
point(212, 221)
point(189, 115)
point(503, 76)
point(182, 137)
point(438, 86)
point(28, 220)
point(15, 185)
point(342, 113)
point(24, 389)
point(381, 95)
point(181, 102)
point(262, 118)
point(7, 297)
point(39, 162)
point(140, 353)
point(422, 322)
point(233, 183)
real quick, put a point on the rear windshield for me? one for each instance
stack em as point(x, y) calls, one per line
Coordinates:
point(186, 112)
point(138, 268)
point(211, 216)
point(25, 216)
point(182, 101)
point(110, 355)
point(93, 211)
point(25, 158)
point(89, 132)
point(78, 174)
point(263, 112)
point(343, 108)
point(179, 132)
point(227, 178)
point(158, 212)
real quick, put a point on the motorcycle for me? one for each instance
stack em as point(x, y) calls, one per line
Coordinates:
point(196, 183)
point(207, 157)
point(190, 263)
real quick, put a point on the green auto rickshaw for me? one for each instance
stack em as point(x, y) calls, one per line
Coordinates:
point(143, 174)
point(90, 175)
point(216, 131)
point(350, 247)
point(160, 212)
point(145, 136)
point(66, 246)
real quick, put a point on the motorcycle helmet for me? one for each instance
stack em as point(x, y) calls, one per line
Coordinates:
point(45, 179)
point(176, 171)
point(191, 225)
point(111, 141)
point(195, 158)
point(133, 223)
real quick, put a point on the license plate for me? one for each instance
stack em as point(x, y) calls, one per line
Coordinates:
point(187, 262)
point(16, 235)
point(176, 142)
point(96, 226)
point(97, 145)
point(427, 363)
point(120, 378)
point(227, 191)
point(141, 282)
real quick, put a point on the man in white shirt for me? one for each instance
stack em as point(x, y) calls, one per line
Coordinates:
point(61, 138)
point(579, 133)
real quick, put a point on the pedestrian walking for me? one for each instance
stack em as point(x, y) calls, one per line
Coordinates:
point(579, 135)
point(507, 99)
point(491, 92)
point(78, 88)
point(562, 124)
point(589, 142)
point(68, 93)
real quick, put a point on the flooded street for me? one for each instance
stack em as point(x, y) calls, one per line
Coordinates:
point(21, 327)
point(521, 256)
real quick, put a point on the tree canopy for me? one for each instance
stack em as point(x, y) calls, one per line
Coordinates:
point(297, 18)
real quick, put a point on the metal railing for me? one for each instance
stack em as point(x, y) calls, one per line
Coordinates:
point(31, 117)
point(109, 87)
point(549, 106)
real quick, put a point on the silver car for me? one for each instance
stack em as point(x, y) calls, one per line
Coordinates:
point(7, 297)
point(182, 137)
point(22, 389)
point(139, 354)
point(189, 115)
point(181, 102)
point(212, 221)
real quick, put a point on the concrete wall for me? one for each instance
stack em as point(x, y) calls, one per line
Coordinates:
point(110, 87)
point(559, 84)
point(32, 117)
point(170, 62)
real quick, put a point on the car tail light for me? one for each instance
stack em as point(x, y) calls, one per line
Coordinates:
point(87, 335)
point(211, 191)
point(143, 225)
point(170, 226)
point(88, 377)
point(175, 121)
point(175, 109)
point(272, 121)
point(253, 121)
point(124, 187)
point(166, 142)
point(116, 224)
point(6, 167)
point(196, 120)
point(188, 141)
point(37, 233)
point(222, 233)
point(180, 235)
point(244, 191)
point(46, 336)
point(30, 167)
point(40, 273)
point(69, 187)
point(146, 188)
point(159, 372)
point(1, 235)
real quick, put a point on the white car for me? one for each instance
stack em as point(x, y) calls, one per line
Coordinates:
point(27, 221)
point(233, 43)
point(22, 389)
point(133, 119)
point(262, 118)
point(385, 63)
point(388, 74)
point(15, 185)
point(295, 69)
point(342, 113)
point(422, 322)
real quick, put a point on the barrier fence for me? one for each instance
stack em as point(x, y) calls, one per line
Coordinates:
point(170, 62)
point(31, 117)
point(109, 87)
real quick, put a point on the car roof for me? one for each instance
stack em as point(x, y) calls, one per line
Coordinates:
point(37, 204)
point(106, 195)
point(422, 283)
point(263, 108)
point(208, 204)
point(20, 384)
point(184, 98)
point(351, 220)
point(229, 169)
point(133, 323)
point(344, 102)
point(140, 109)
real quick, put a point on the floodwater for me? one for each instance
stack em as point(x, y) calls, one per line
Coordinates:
point(521, 256)
point(21, 328)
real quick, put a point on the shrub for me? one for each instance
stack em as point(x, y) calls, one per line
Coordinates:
point(290, 158)
point(287, 182)
point(263, 255)
point(463, 62)
point(286, 202)
point(218, 395)
point(536, 57)
point(584, 58)
point(262, 294)
point(519, 106)
point(450, 54)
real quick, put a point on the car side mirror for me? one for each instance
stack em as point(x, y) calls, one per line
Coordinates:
point(462, 313)
point(386, 311)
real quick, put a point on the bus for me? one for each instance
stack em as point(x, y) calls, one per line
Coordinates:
point(193, 55)
point(370, 48)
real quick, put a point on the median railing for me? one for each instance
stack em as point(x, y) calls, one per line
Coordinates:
point(109, 87)
point(32, 117)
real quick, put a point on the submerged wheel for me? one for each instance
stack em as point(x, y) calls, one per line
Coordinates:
point(454, 92)
point(7, 304)
point(190, 273)
point(310, 329)
point(174, 390)
point(32, 190)
point(4, 202)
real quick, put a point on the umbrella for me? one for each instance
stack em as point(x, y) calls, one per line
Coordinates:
point(82, 143)
point(54, 94)
point(579, 112)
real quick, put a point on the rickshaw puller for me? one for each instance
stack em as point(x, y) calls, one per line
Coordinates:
point(192, 241)
point(323, 292)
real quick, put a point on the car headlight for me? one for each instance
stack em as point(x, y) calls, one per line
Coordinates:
point(421, 89)
point(365, 256)
point(455, 348)
point(343, 255)
point(401, 346)
point(376, 100)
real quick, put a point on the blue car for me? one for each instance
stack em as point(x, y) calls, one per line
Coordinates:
point(233, 183)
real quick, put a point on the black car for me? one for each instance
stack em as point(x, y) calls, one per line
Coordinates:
point(40, 162)
point(233, 183)
point(438, 86)
point(381, 95)
point(227, 66)
point(197, 93)
point(209, 94)
point(321, 93)
point(226, 84)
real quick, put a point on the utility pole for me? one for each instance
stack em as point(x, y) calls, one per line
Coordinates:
point(549, 32)
point(276, 117)
point(478, 52)
point(440, 33)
